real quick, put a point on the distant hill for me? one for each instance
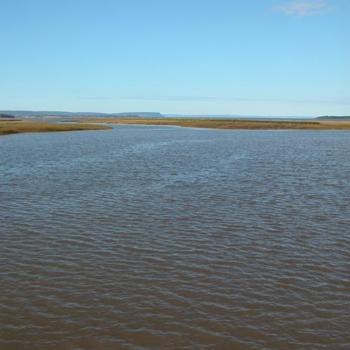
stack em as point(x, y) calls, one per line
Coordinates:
point(334, 117)
point(138, 114)
point(80, 114)
point(6, 116)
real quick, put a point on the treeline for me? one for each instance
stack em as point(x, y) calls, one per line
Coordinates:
point(334, 117)
point(6, 116)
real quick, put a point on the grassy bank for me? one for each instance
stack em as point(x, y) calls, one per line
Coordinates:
point(14, 126)
point(226, 123)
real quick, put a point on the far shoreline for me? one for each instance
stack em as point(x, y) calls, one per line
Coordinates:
point(29, 125)
point(16, 126)
point(227, 123)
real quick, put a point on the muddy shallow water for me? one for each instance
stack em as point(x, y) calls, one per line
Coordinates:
point(175, 238)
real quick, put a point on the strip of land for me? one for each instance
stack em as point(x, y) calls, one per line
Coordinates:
point(14, 126)
point(227, 123)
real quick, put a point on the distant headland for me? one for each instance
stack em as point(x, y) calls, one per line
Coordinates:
point(6, 116)
point(25, 113)
point(334, 117)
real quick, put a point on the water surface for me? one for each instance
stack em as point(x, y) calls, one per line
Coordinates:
point(175, 238)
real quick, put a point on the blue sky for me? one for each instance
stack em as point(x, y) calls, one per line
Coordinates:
point(250, 57)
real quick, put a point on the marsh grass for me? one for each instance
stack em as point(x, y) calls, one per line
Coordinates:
point(225, 123)
point(14, 126)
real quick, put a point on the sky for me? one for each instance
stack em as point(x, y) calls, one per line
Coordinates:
point(246, 57)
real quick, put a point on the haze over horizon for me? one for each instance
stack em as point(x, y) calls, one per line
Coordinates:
point(266, 57)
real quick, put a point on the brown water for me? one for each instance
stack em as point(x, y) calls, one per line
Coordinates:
point(174, 238)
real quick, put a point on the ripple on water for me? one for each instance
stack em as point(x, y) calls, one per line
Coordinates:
point(173, 238)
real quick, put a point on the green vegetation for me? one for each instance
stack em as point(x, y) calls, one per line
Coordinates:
point(226, 123)
point(13, 126)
